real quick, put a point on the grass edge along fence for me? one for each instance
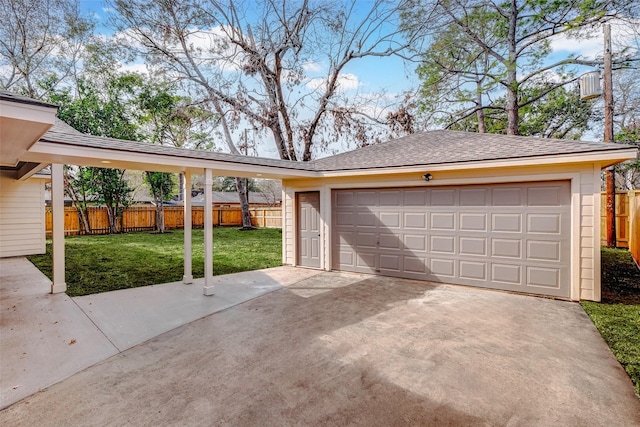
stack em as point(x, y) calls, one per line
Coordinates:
point(627, 221)
point(143, 218)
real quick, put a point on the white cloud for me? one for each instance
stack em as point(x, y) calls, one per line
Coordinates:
point(346, 82)
point(312, 67)
point(623, 33)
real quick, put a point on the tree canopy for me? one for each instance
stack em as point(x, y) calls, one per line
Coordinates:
point(487, 57)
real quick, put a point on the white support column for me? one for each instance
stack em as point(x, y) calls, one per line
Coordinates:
point(188, 270)
point(57, 235)
point(208, 232)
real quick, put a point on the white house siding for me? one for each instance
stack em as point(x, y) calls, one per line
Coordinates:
point(22, 223)
point(585, 186)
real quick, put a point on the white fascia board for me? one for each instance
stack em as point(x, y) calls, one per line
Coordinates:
point(29, 112)
point(606, 158)
point(52, 152)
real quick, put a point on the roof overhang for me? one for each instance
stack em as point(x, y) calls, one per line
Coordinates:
point(21, 125)
point(603, 158)
point(55, 152)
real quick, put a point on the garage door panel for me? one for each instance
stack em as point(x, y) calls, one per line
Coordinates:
point(415, 243)
point(443, 267)
point(506, 222)
point(443, 244)
point(543, 277)
point(366, 240)
point(366, 198)
point(507, 248)
point(473, 221)
point(389, 241)
point(366, 219)
point(543, 250)
point(390, 219)
point(344, 199)
point(443, 221)
point(506, 196)
point(342, 218)
point(545, 196)
point(504, 236)
point(415, 265)
point(367, 261)
point(390, 198)
point(473, 197)
point(473, 270)
point(416, 220)
point(543, 223)
point(415, 197)
point(473, 246)
point(390, 263)
point(444, 197)
point(506, 273)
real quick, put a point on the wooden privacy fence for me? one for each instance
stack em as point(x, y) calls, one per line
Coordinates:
point(143, 218)
point(627, 221)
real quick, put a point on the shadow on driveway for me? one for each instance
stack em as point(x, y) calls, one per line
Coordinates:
point(350, 349)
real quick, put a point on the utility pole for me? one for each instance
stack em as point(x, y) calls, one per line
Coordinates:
point(608, 137)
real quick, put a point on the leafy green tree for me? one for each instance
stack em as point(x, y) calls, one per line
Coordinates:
point(488, 49)
point(100, 109)
point(559, 114)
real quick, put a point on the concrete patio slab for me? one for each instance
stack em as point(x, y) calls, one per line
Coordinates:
point(44, 338)
point(348, 349)
point(131, 316)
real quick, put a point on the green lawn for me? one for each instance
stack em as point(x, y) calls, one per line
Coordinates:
point(618, 316)
point(109, 262)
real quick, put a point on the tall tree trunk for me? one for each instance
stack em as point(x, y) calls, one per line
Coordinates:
point(512, 76)
point(80, 205)
point(160, 217)
point(113, 219)
point(482, 125)
point(244, 204)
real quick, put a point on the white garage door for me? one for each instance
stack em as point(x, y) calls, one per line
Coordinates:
point(508, 236)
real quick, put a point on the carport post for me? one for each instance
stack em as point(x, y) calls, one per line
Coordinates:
point(186, 191)
point(208, 232)
point(57, 232)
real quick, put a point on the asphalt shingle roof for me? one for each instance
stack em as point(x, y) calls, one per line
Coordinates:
point(420, 149)
point(445, 146)
point(63, 134)
point(14, 97)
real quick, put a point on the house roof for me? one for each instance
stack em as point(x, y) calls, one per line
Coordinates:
point(445, 147)
point(65, 135)
point(14, 97)
point(440, 147)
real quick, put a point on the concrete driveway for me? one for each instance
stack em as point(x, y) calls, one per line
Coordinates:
point(349, 349)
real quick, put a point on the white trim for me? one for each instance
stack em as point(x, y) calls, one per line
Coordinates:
point(58, 283)
point(187, 278)
point(613, 157)
point(208, 232)
point(576, 228)
point(91, 156)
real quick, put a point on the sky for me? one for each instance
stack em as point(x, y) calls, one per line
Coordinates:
point(391, 74)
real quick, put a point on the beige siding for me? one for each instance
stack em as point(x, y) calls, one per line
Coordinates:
point(288, 218)
point(21, 217)
point(585, 178)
